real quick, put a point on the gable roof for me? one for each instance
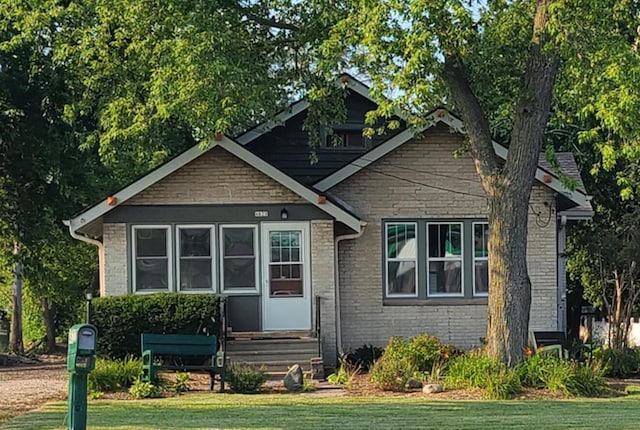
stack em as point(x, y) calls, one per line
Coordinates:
point(543, 172)
point(312, 196)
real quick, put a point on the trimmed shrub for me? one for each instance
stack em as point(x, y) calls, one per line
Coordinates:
point(619, 363)
point(114, 375)
point(122, 319)
point(245, 378)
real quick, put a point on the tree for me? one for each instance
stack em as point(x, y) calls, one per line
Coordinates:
point(219, 66)
point(503, 66)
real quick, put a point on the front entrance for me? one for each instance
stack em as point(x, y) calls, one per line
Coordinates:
point(286, 285)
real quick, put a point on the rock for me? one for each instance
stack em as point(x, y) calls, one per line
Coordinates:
point(432, 388)
point(293, 379)
point(414, 384)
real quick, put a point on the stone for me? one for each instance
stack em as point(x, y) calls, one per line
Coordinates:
point(293, 380)
point(432, 388)
point(414, 384)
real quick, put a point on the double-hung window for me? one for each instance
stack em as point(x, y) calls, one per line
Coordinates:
point(238, 260)
point(435, 259)
point(151, 258)
point(480, 259)
point(401, 259)
point(195, 261)
point(445, 261)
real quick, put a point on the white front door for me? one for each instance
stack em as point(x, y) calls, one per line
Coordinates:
point(286, 285)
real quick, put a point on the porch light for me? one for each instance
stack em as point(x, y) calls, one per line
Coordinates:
point(284, 213)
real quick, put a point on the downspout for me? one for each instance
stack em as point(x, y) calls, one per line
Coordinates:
point(562, 275)
point(95, 242)
point(336, 266)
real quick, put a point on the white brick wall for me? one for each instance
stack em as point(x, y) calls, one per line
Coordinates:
point(427, 170)
point(323, 285)
point(114, 238)
point(216, 177)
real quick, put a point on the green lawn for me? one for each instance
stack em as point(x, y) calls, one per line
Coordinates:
point(207, 411)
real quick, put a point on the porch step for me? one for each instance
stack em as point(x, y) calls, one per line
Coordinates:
point(265, 345)
point(276, 351)
point(281, 334)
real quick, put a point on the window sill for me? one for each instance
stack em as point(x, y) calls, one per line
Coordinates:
point(453, 301)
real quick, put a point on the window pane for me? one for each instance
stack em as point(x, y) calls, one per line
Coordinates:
point(481, 240)
point(482, 277)
point(445, 240)
point(151, 242)
point(195, 274)
point(285, 281)
point(239, 273)
point(401, 277)
point(195, 242)
point(152, 274)
point(238, 241)
point(401, 241)
point(445, 277)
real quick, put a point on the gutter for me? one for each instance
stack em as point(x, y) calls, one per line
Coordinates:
point(94, 242)
point(336, 266)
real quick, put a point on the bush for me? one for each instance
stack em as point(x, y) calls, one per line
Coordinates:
point(121, 320)
point(562, 376)
point(114, 375)
point(245, 378)
point(619, 363)
point(364, 357)
point(403, 360)
point(502, 385)
point(345, 374)
point(476, 370)
point(181, 384)
point(144, 390)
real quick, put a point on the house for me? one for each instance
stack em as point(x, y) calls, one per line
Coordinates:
point(383, 236)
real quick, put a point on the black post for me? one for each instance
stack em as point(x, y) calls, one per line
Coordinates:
point(89, 296)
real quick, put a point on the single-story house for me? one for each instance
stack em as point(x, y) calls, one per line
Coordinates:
point(382, 236)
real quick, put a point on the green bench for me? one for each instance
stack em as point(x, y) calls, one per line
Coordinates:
point(553, 342)
point(154, 346)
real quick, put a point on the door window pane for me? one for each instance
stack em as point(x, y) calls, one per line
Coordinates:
point(285, 267)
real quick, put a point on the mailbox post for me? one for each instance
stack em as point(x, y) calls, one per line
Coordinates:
point(81, 359)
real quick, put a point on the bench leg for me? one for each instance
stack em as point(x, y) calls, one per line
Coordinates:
point(222, 382)
point(213, 380)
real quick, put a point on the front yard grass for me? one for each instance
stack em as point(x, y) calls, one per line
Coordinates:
point(207, 411)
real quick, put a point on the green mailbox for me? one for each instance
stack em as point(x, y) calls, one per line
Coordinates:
point(81, 359)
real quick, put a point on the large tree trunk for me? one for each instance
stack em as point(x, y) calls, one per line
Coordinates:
point(508, 186)
point(48, 316)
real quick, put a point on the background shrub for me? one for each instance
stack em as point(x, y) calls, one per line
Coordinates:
point(245, 378)
point(619, 363)
point(364, 357)
point(120, 320)
point(114, 375)
point(476, 370)
point(144, 390)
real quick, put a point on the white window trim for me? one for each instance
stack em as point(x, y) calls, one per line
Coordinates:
point(445, 259)
point(134, 258)
point(212, 245)
point(473, 231)
point(256, 256)
point(388, 260)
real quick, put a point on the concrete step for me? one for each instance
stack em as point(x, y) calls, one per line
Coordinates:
point(262, 356)
point(281, 334)
point(310, 344)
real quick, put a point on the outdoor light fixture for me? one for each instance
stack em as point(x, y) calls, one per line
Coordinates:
point(284, 213)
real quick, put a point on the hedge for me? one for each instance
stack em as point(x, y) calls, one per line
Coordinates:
point(121, 319)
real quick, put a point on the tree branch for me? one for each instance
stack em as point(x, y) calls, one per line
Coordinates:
point(532, 111)
point(259, 19)
point(474, 119)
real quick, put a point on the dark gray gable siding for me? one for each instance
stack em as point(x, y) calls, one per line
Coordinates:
point(287, 146)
